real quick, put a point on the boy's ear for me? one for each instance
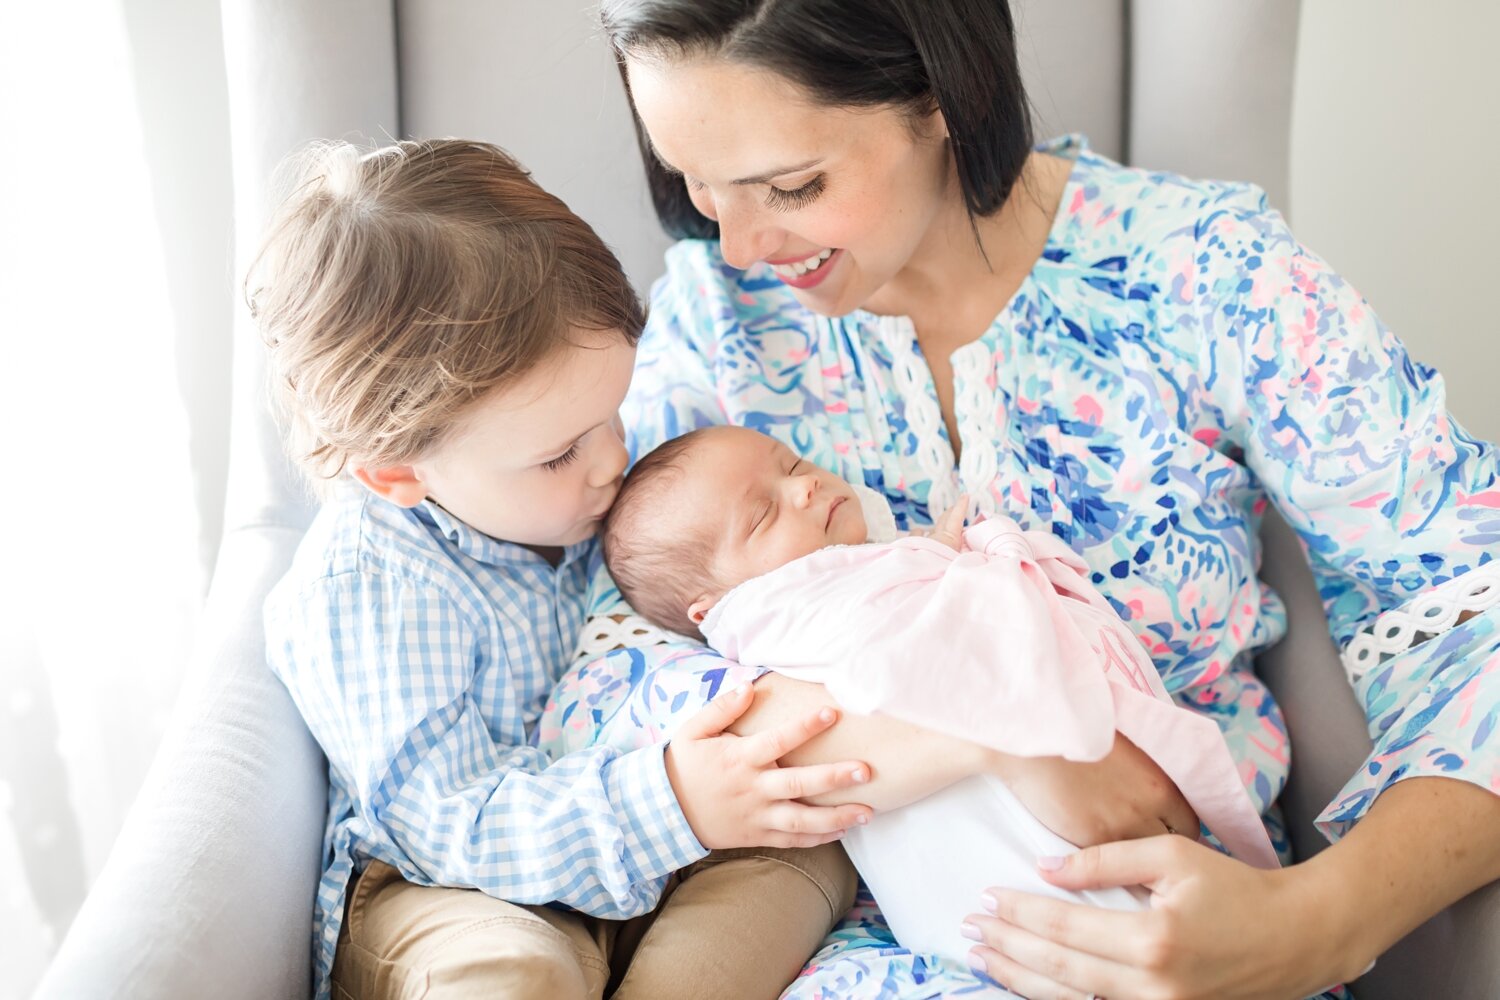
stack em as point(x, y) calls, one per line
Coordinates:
point(700, 608)
point(397, 483)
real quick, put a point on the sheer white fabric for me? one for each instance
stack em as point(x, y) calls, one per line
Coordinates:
point(105, 559)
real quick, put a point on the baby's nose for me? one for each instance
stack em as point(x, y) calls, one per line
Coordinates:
point(804, 488)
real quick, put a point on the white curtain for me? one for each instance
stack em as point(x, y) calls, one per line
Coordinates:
point(114, 309)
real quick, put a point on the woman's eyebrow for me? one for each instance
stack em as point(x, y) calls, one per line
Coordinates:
point(770, 174)
point(760, 178)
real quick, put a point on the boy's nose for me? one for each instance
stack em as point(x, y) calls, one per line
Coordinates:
point(611, 463)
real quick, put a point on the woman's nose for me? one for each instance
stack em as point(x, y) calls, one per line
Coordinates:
point(744, 238)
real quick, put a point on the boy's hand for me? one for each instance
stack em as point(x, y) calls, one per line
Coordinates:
point(733, 792)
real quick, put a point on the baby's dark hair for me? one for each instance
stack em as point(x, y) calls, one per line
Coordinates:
point(660, 568)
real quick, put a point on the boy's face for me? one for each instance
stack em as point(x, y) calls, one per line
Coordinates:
point(771, 506)
point(537, 463)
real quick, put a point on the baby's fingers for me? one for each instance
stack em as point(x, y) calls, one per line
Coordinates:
point(814, 779)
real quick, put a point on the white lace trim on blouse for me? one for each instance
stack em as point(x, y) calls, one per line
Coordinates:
point(602, 634)
point(1421, 618)
point(923, 415)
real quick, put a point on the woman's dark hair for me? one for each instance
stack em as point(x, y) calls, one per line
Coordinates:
point(953, 56)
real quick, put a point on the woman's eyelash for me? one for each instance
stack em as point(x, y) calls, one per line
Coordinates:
point(790, 201)
point(564, 460)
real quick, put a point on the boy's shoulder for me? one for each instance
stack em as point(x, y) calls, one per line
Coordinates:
point(356, 534)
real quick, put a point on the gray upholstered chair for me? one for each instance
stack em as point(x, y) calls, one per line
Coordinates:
point(209, 890)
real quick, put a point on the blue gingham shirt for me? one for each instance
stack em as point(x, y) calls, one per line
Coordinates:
point(421, 652)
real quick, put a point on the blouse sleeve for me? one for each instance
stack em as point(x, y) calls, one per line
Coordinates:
point(1393, 500)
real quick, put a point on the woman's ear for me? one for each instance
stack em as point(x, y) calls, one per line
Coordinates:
point(400, 484)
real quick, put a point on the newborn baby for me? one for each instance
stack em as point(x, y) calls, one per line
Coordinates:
point(989, 632)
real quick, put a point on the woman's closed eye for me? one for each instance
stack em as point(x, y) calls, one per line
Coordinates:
point(783, 200)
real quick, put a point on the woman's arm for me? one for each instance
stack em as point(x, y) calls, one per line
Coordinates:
point(1121, 797)
point(1214, 923)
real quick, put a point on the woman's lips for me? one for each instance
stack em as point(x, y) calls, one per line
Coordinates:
point(812, 278)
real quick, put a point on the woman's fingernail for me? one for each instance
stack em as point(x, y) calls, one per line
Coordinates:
point(970, 931)
point(989, 902)
point(857, 775)
point(825, 715)
point(976, 963)
point(1050, 862)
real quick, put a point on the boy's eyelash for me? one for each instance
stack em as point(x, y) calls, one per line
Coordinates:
point(790, 201)
point(564, 460)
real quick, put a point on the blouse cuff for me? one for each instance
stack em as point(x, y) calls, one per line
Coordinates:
point(1432, 712)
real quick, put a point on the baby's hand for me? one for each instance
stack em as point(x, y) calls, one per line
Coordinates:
point(949, 527)
point(733, 792)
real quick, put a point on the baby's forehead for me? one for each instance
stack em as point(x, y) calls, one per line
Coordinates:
point(742, 443)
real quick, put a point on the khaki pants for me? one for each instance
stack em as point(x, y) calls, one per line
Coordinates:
point(739, 923)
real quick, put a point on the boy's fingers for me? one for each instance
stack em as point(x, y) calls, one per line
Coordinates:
point(773, 744)
point(797, 819)
point(813, 779)
point(717, 716)
point(786, 840)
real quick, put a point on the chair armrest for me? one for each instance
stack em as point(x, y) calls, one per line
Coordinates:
point(209, 888)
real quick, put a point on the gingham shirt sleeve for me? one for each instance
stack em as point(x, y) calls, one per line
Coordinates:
point(383, 672)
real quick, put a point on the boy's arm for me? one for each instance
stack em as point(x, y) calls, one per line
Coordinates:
point(384, 671)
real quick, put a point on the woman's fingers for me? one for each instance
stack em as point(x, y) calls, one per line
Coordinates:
point(718, 715)
point(1109, 934)
point(813, 779)
point(1020, 980)
point(1122, 862)
point(1046, 961)
point(775, 743)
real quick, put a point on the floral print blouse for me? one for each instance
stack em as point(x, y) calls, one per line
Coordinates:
point(1174, 362)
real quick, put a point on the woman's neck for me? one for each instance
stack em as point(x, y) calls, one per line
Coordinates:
point(953, 288)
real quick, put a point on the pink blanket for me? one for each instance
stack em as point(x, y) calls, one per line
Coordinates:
point(1006, 644)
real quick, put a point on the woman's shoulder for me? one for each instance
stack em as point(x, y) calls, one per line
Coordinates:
point(1108, 205)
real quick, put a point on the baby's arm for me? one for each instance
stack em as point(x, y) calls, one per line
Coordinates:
point(1122, 797)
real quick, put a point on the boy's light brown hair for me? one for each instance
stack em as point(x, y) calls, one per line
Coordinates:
point(398, 287)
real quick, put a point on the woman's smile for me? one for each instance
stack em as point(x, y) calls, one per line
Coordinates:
point(805, 272)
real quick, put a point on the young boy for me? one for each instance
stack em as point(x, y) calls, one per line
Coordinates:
point(450, 346)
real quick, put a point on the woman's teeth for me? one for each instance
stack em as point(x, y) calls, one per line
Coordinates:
point(798, 268)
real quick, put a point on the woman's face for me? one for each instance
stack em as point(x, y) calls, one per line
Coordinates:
point(838, 201)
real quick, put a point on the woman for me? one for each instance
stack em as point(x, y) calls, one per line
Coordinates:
point(883, 272)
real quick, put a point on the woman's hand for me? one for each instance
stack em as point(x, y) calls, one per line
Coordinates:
point(1125, 796)
point(733, 792)
point(1216, 928)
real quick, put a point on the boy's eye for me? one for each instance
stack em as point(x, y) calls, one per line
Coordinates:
point(789, 201)
point(562, 461)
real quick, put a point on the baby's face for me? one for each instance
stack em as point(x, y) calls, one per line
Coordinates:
point(768, 506)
